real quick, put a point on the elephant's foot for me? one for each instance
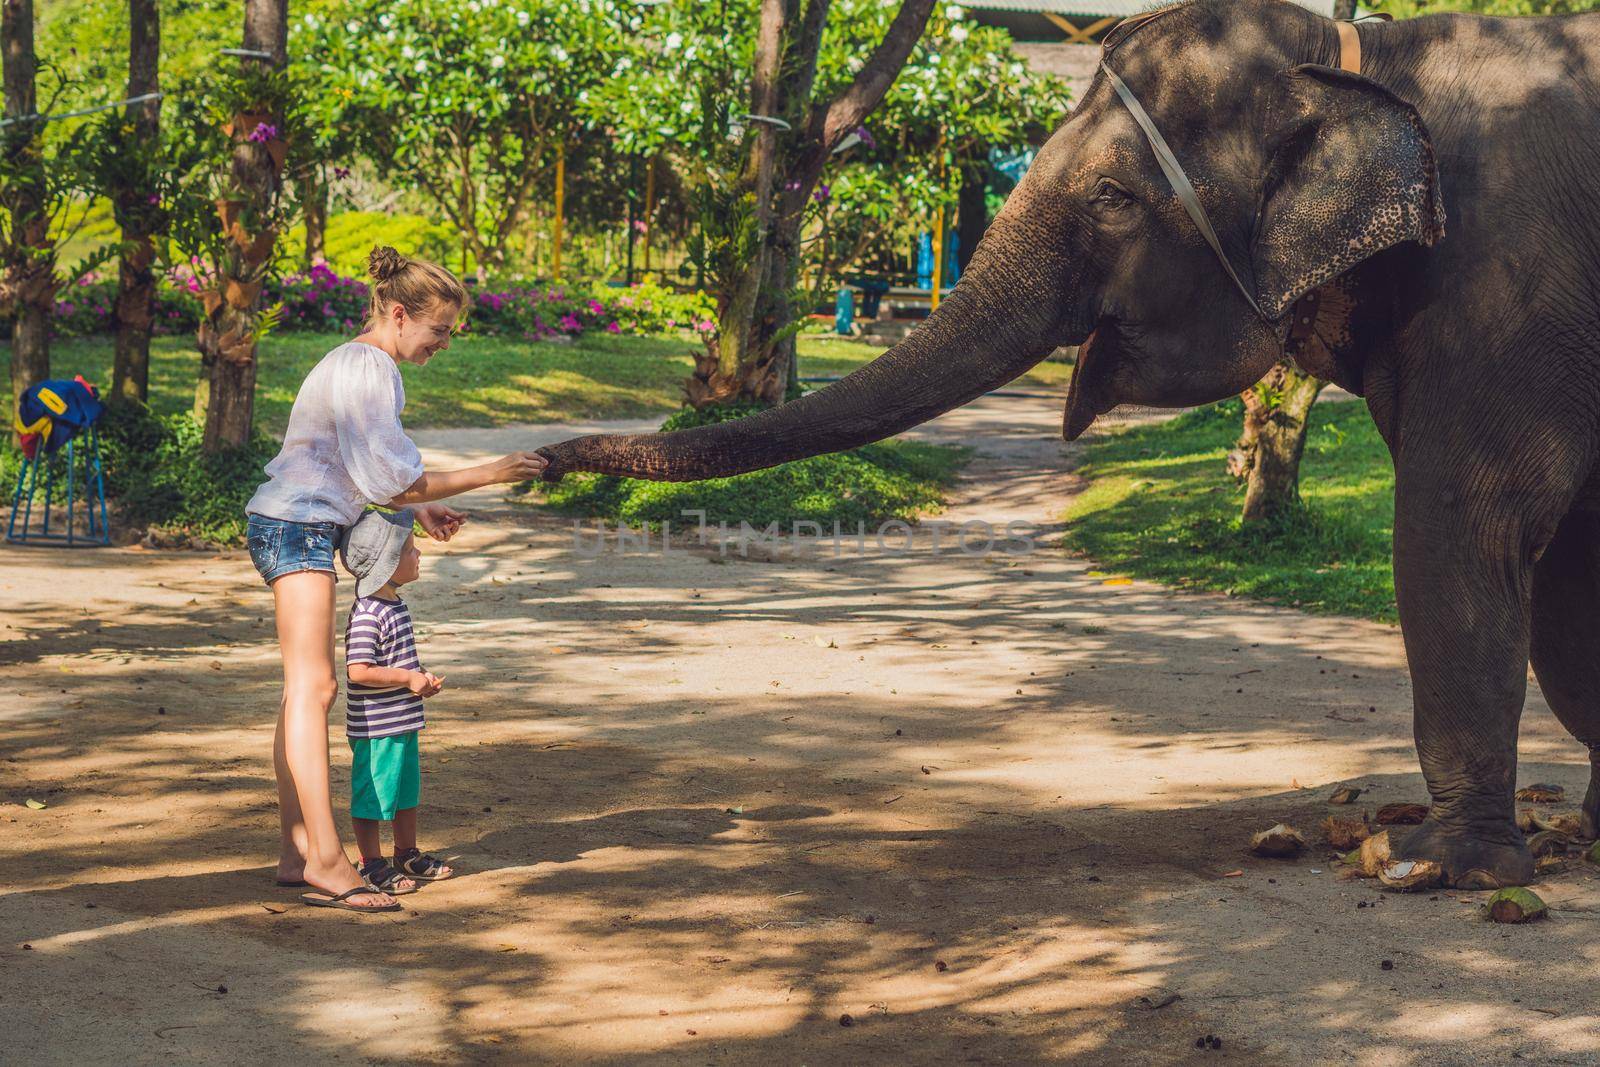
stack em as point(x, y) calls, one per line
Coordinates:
point(1470, 859)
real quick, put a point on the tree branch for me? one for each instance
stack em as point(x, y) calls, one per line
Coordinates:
point(864, 94)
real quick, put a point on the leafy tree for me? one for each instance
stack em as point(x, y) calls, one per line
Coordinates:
point(755, 149)
point(962, 92)
point(470, 101)
point(40, 165)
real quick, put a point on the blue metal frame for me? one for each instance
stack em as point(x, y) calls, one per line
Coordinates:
point(94, 486)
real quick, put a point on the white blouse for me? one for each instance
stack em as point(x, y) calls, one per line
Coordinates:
point(345, 447)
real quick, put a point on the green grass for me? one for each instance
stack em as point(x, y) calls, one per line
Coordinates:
point(480, 381)
point(1162, 506)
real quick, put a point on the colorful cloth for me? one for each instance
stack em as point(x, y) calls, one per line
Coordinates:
point(54, 412)
point(385, 775)
point(379, 633)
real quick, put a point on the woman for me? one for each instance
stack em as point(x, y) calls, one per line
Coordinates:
point(344, 449)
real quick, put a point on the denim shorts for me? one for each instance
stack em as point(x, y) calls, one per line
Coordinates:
point(279, 547)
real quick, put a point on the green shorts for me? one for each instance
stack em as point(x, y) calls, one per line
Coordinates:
point(385, 775)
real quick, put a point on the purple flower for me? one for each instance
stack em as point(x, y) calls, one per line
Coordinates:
point(570, 323)
point(263, 132)
point(866, 137)
point(822, 193)
point(154, 199)
point(341, 173)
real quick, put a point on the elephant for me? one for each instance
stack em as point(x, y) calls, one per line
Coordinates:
point(1473, 337)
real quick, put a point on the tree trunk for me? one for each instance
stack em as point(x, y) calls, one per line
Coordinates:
point(227, 335)
point(1268, 454)
point(316, 211)
point(134, 310)
point(972, 212)
point(750, 358)
point(29, 281)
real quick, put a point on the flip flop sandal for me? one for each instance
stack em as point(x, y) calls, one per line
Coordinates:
point(421, 866)
point(382, 877)
point(341, 901)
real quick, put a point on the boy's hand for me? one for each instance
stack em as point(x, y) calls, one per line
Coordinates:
point(423, 684)
point(435, 683)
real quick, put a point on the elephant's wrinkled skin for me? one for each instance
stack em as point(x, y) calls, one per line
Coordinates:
point(1476, 342)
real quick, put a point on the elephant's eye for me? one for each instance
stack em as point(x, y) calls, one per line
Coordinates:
point(1109, 194)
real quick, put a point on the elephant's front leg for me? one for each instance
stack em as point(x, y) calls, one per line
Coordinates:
point(1462, 580)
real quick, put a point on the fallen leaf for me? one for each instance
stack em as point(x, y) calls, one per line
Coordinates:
point(1117, 581)
point(1345, 794)
point(557, 650)
point(1401, 814)
point(1515, 905)
point(1234, 874)
point(508, 948)
point(1541, 793)
point(1158, 998)
point(215, 665)
point(36, 805)
point(1280, 841)
point(276, 909)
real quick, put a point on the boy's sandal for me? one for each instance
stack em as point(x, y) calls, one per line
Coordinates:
point(384, 878)
point(341, 901)
point(418, 864)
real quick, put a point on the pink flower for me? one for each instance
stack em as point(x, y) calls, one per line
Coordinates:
point(570, 323)
point(613, 327)
point(597, 307)
point(625, 301)
point(640, 226)
point(705, 326)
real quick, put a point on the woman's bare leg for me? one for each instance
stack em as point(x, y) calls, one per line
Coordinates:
point(308, 836)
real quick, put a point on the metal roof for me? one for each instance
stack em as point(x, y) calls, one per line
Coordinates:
point(1102, 8)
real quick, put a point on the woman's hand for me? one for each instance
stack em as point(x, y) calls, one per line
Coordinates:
point(519, 467)
point(440, 520)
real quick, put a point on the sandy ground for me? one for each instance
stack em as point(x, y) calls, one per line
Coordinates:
point(986, 805)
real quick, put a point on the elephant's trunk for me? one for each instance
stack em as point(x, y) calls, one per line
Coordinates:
point(1000, 320)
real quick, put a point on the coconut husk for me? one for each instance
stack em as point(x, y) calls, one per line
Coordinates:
point(1374, 853)
point(1410, 876)
point(211, 300)
point(1401, 814)
point(1279, 842)
point(1515, 905)
point(1549, 843)
point(1347, 832)
point(1542, 793)
point(1567, 822)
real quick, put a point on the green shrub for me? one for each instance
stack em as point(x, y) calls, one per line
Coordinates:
point(869, 485)
point(157, 475)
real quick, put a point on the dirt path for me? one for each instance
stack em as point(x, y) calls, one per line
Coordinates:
point(984, 805)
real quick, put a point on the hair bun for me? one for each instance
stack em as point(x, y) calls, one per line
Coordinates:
point(384, 263)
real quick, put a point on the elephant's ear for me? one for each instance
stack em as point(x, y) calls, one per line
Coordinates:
point(1351, 173)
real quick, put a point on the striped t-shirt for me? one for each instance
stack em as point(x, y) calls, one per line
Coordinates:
point(379, 633)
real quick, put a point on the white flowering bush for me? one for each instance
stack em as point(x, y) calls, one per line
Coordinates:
point(468, 101)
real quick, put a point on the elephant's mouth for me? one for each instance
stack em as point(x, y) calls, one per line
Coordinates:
point(1089, 395)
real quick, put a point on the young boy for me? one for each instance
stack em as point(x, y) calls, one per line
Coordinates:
point(384, 701)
